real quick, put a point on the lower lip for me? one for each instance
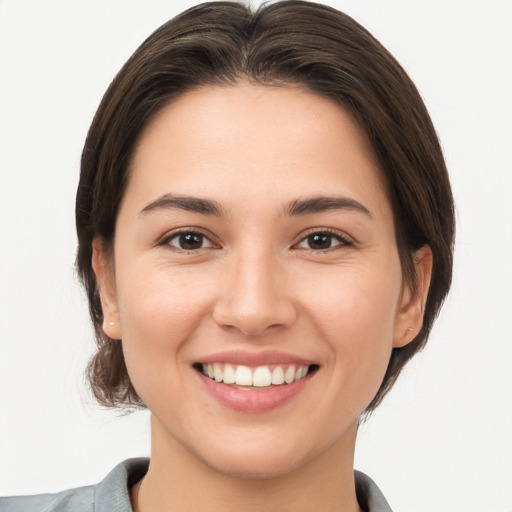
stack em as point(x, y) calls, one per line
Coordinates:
point(254, 400)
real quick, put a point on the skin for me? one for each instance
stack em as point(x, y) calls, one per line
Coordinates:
point(256, 282)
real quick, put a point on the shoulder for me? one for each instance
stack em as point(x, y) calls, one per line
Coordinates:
point(369, 495)
point(77, 500)
point(110, 495)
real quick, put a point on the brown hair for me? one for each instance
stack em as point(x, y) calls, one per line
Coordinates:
point(288, 42)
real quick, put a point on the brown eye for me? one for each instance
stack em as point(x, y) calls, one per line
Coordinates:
point(189, 241)
point(319, 241)
point(322, 241)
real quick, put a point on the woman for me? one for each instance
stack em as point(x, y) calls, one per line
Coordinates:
point(265, 231)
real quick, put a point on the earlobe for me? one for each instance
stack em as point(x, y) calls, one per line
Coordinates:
point(410, 315)
point(104, 273)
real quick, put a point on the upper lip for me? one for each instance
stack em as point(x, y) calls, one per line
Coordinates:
point(262, 358)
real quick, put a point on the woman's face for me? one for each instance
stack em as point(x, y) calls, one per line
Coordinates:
point(256, 243)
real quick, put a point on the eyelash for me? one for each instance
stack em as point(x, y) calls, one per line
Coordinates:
point(343, 240)
point(332, 234)
point(175, 235)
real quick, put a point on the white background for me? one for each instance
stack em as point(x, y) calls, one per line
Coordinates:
point(442, 441)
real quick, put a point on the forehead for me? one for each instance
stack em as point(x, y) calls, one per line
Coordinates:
point(248, 141)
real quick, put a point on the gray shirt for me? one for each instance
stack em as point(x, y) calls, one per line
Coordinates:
point(112, 494)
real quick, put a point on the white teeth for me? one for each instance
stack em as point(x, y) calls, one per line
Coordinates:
point(301, 372)
point(229, 374)
point(218, 374)
point(243, 376)
point(289, 375)
point(278, 375)
point(261, 376)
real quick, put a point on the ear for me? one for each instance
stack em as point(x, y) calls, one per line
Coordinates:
point(104, 272)
point(409, 319)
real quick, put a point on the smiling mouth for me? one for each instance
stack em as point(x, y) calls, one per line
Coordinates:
point(262, 377)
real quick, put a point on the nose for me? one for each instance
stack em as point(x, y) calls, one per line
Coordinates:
point(255, 296)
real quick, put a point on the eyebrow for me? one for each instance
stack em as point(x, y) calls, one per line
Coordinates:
point(187, 203)
point(295, 208)
point(323, 204)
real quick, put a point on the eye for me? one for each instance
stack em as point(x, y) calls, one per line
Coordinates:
point(322, 241)
point(188, 241)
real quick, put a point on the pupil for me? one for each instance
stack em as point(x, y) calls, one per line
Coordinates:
point(191, 241)
point(320, 241)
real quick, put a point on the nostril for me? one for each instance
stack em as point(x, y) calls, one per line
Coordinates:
point(254, 309)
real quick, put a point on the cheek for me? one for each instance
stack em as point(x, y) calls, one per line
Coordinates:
point(159, 312)
point(356, 303)
point(160, 299)
point(355, 314)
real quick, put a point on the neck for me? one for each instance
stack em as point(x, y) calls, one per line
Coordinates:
point(178, 480)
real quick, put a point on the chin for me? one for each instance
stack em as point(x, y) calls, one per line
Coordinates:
point(258, 455)
point(261, 467)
